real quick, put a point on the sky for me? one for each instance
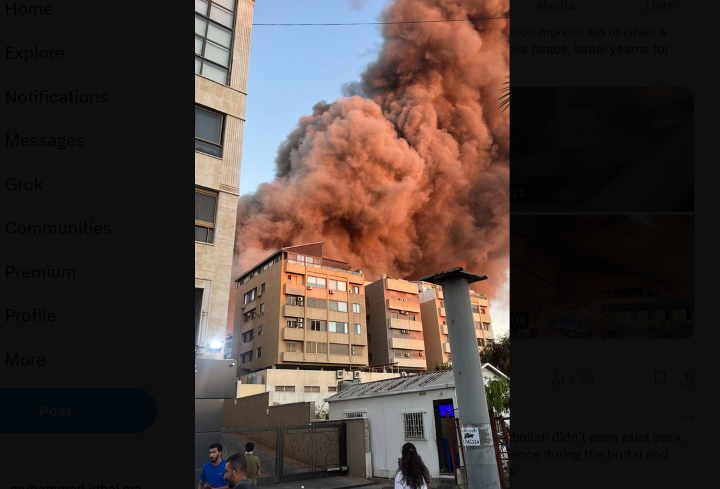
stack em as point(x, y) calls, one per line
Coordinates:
point(287, 77)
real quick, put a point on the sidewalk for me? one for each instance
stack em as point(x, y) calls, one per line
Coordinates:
point(328, 483)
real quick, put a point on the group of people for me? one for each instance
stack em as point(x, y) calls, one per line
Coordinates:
point(239, 470)
point(242, 470)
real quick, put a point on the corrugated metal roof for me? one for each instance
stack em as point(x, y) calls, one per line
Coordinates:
point(412, 383)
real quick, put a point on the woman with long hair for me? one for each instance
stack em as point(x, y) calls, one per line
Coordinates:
point(411, 473)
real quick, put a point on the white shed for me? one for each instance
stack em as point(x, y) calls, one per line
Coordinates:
point(414, 409)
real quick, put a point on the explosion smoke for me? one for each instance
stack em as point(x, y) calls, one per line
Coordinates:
point(412, 177)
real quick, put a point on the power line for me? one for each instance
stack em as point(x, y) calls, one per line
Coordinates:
point(600, 262)
point(517, 265)
point(391, 23)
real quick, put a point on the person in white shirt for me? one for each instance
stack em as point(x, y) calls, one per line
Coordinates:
point(412, 473)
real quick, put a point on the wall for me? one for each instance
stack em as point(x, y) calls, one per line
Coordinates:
point(359, 460)
point(256, 411)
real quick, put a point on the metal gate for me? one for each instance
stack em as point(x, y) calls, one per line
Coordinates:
point(501, 442)
point(290, 453)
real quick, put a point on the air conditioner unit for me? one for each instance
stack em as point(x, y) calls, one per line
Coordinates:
point(243, 306)
point(422, 354)
point(403, 374)
point(300, 325)
point(259, 294)
point(340, 374)
point(403, 312)
point(300, 320)
point(331, 291)
point(407, 355)
point(309, 287)
point(356, 374)
point(405, 331)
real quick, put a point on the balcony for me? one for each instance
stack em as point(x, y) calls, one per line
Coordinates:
point(411, 362)
point(403, 306)
point(294, 268)
point(443, 328)
point(294, 311)
point(295, 334)
point(292, 356)
point(407, 344)
point(441, 311)
point(291, 289)
point(404, 324)
point(401, 286)
point(358, 339)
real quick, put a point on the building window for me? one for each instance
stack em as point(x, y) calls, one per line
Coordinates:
point(394, 315)
point(259, 353)
point(336, 285)
point(317, 325)
point(414, 429)
point(332, 388)
point(370, 357)
point(208, 132)
point(338, 306)
point(250, 315)
point(213, 38)
point(198, 312)
point(369, 337)
point(250, 356)
point(260, 330)
point(486, 326)
point(483, 311)
point(411, 317)
point(317, 303)
point(633, 315)
point(292, 301)
point(338, 349)
point(356, 351)
point(354, 289)
point(262, 287)
point(205, 210)
point(312, 388)
point(475, 308)
point(668, 313)
point(242, 359)
point(334, 327)
point(478, 325)
point(291, 346)
point(249, 297)
point(284, 388)
point(358, 328)
point(442, 304)
point(291, 323)
point(354, 415)
point(480, 342)
point(314, 347)
point(316, 282)
point(289, 279)
point(262, 308)
point(356, 308)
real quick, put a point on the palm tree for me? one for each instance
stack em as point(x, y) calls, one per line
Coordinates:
point(505, 98)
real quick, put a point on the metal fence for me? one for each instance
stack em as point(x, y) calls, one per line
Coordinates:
point(289, 453)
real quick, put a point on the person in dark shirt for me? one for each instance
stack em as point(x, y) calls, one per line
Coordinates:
point(236, 472)
point(253, 462)
point(213, 472)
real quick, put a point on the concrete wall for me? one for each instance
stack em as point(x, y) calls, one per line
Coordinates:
point(213, 261)
point(359, 460)
point(256, 411)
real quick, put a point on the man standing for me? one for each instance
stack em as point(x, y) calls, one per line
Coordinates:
point(236, 473)
point(253, 462)
point(213, 472)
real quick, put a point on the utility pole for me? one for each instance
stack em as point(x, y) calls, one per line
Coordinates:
point(480, 463)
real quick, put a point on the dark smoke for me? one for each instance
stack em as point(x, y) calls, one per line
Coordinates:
point(412, 177)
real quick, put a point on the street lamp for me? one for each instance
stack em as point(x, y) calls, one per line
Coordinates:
point(480, 463)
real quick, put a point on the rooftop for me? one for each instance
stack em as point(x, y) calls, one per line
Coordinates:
point(412, 383)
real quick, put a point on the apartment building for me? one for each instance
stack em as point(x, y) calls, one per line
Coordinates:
point(222, 50)
point(395, 330)
point(434, 323)
point(299, 310)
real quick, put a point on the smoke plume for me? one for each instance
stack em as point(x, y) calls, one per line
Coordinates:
point(410, 175)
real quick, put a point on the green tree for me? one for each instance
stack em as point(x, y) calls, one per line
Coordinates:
point(497, 354)
point(497, 391)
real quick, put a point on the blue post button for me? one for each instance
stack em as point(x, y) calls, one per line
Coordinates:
point(76, 410)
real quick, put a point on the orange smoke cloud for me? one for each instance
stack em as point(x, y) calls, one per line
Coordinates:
point(411, 177)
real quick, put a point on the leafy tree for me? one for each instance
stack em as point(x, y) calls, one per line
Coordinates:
point(505, 98)
point(497, 354)
point(497, 391)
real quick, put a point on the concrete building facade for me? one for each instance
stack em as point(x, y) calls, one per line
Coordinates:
point(298, 309)
point(222, 50)
point(395, 329)
point(435, 331)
